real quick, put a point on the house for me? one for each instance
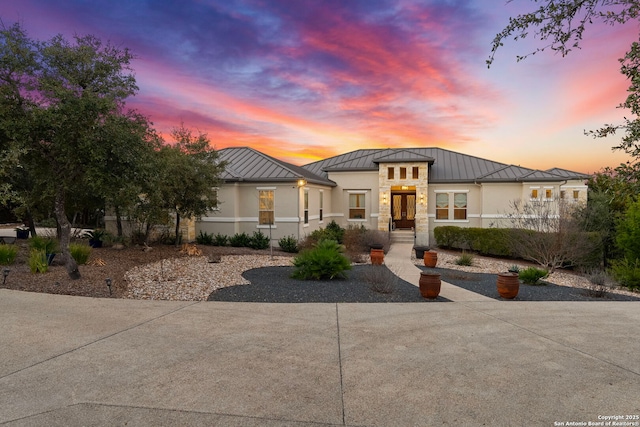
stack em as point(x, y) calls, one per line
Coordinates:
point(386, 189)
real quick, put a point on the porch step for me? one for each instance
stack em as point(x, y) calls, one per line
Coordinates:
point(402, 236)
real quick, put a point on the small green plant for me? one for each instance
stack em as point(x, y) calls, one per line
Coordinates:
point(8, 254)
point(38, 261)
point(532, 275)
point(220, 240)
point(80, 252)
point(465, 259)
point(324, 261)
point(204, 238)
point(48, 245)
point(259, 240)
point(289, 244)
point(514, 269)
point(240, 240)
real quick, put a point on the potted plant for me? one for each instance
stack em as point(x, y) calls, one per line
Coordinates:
point(420, 250)
point(377, 253)
point(22, 232)
point(95, 238)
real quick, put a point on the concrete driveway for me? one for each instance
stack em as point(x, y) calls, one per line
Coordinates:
point(67, 361)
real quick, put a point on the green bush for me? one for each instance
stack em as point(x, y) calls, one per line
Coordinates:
point(220, 240)
point(485, 241)
point(240, 240)
point(289, 244)
point(47, 244)
point(8, 254)
point(325, 261)
point(38, 261)
point(627, 273)
point(465, 259)
point(259, 240)
point(204, 238)
point(335, 232)
point(628, 233)
point(532, 275)
point(80, 252)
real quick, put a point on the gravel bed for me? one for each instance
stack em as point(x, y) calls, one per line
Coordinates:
point(482, 276)
point(274, 284)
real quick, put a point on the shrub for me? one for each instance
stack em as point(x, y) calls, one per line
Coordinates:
point(38, 261)
point(204, 238)
point(626, 272)
point(80, 252)
point(259, 240)
point(220, 240)
point(514, 269)
point(325, 261)
point(465, 259)
point(240, 240)
point(289, 244)
point(532, 275)
point(380, 279)
point(335, 232)
point(485, 241)
point(598, 284)
point(8, 254)
point(46, 244)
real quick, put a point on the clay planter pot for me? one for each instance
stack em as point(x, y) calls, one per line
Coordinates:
point(377, 256)
point(508, 285)
point(430, 259)
point(429, 285)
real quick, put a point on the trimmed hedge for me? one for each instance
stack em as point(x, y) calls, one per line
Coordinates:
point(485, 241)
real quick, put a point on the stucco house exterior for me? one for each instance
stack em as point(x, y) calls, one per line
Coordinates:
point(414, 189)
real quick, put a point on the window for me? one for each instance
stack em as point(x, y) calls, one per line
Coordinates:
point(576, 194)
point(416, 172)
point(266, 211)
point(321, 204)
point(460, 206)
point(548, 193)
point(356, 206)
point(451, 206)
point(390, 173)
point(306, 206)
point(442, 206)
point(534, 193)
point(403, 173)
point(563, 194)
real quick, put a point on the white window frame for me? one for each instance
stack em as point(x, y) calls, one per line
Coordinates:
point(273, 207)
point(363, 208)
point(451, 209)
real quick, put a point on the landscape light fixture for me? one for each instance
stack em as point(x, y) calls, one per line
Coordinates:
point(5, 273)
point(108, 280)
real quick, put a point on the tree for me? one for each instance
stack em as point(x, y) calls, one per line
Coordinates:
point(191, 175)
point(561, 25)
point(57, 100)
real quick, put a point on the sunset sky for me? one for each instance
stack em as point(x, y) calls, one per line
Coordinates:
point(307, 79)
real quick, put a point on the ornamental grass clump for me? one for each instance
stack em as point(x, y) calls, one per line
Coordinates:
point(323, 262)
point(38, 262)
point(465, 259)
point(80, 252)
point(8, 254)
point(532, 275)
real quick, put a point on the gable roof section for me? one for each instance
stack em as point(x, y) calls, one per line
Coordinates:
point(247, 164)
point(568, 174)
point(446, 166)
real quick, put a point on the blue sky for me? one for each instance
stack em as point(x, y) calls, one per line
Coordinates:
point(306, 79)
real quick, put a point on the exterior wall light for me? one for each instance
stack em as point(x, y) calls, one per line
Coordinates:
point(302, 182)
point(422, 199)
point(384, 198)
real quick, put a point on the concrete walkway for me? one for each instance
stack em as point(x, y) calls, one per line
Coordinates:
point(398, 260)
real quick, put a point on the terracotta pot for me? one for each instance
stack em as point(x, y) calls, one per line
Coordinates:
point(508, 285)
point(429, 285)
point(377, 256)
point(430, 259)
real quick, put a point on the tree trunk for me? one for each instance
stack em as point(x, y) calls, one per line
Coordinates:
point(177, 229)
point(65, 236)
point(118, 221)
point(31, 224)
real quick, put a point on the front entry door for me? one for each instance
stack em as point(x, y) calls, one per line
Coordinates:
point(403, 210)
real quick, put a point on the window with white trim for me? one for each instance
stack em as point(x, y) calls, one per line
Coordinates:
point(576, 194)
point(451, 206)
point(266, 207)
point(357, 206)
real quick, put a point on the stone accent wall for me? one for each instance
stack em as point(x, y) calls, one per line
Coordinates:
point(421, 187)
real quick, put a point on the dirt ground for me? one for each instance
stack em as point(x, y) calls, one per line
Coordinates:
point(93, 275)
